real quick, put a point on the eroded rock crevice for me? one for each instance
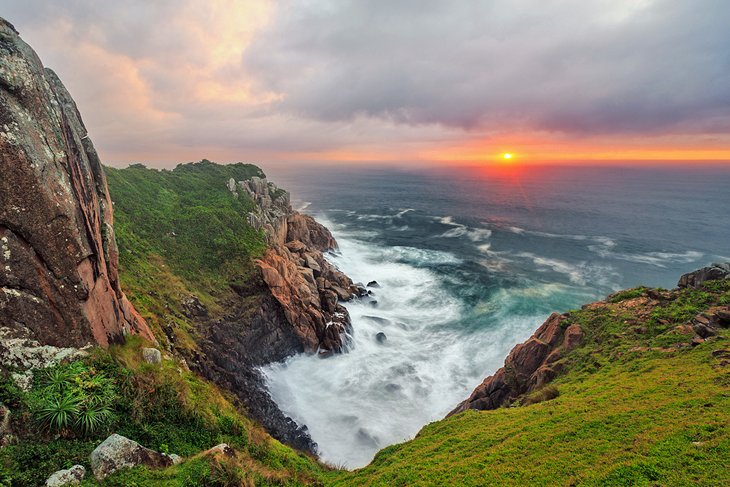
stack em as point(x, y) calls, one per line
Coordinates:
point(54, 206)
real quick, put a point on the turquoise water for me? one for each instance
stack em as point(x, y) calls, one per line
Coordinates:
point(470, 262)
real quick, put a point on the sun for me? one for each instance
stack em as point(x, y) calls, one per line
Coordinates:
point(507, 156)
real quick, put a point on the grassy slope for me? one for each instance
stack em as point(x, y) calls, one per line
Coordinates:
point(164, 408)
point(181, 232)
point(633, 410)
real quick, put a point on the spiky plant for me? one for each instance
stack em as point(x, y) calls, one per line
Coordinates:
point(58, 413)
point(92, 418)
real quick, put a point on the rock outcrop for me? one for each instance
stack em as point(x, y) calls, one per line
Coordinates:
point(710, 273)
point(59, 283)
point(71, 476)
point(117, 452)
point(291, 306)
point(529, 366)
point(305, 284)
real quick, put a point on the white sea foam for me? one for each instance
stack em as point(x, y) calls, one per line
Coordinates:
point(657, 259)
point(599, 241)
point(579, 273)
point(459, 230)
point(378, 394)
point(303, 206)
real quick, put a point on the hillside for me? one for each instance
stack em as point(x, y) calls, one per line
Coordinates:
point(643, 401)
point(181, 234)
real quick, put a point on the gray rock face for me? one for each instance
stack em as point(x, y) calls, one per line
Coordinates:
point(272, 208)
point(151, 355)
point(710, 273)
point(72, 476)
point(117, 452)
point(59, 281)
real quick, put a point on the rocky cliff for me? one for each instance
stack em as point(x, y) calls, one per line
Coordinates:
point(537, 361)
point(528, 366)
point(291, 306)
point(305, 284)
point(59, 283)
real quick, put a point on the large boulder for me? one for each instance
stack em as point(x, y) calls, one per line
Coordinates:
point(709, 273)
point(117, 452)
point(71, 476)
point(59, 283)
point(151, 355)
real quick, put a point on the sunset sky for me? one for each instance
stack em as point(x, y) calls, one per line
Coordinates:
point(421, 81)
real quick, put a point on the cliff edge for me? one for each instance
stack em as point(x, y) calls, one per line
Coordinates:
point(59, 283)
point(533, 364)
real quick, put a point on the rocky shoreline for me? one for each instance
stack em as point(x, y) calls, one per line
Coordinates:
point(534, 363)
point(297, 309)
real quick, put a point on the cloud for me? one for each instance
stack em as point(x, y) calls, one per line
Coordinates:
point(573, 66)
point(174, 80)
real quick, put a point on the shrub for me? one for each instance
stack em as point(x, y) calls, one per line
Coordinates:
point(72, 397)
point(627, 294)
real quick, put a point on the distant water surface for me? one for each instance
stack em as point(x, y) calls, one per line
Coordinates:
point(470, 262)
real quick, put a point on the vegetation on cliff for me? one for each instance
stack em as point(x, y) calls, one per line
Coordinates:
point(160, 405)
point(641, 402)
point(181, 232)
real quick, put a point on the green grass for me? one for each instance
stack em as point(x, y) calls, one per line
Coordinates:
point(627, 294)
point(181, 232)
point(162, 407)
point(628, 413)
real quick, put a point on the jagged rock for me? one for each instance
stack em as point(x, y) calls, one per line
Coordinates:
point(117, 452)
point(193, 308)
point(373, 284)
point(71, 476)
point(59, 285)
point(307, 286)
point(710, 273)
point(573, 337)
point(702, 320)
point(528, 366)
point(151, 355)
point(296, 246)
point(176, 459)
point(723, 318)
point(704, 331)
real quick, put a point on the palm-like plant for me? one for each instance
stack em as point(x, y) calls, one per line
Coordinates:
point(58, 412)
point(91, 419)
point(56, 379)
point(73, 396)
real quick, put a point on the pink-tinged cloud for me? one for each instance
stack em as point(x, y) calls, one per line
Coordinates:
point(398, 80)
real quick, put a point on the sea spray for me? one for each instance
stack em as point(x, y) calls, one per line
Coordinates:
point(425, 360)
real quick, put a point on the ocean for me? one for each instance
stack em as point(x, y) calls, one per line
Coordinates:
point(470, 261)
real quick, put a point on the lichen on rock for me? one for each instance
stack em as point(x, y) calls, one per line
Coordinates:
point(59, 282)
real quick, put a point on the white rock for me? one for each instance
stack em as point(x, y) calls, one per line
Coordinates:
point(151, 355)
point(117, 452)
point(72, 476)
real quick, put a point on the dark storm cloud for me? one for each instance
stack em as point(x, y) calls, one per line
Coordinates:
point(574, 66)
